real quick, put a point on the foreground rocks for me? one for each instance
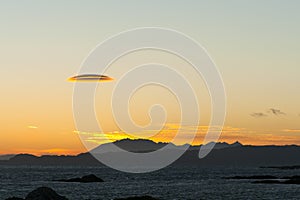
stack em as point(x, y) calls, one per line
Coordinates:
point(138, 198)
point(42, 193)
point(45, 193)
point(85, 179)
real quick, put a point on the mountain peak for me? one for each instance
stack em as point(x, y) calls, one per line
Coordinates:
point(236, 144)
point(135, 145)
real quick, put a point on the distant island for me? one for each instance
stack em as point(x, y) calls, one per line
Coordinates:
point(223, 154)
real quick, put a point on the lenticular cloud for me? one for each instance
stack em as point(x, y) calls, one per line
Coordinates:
point(90, 78)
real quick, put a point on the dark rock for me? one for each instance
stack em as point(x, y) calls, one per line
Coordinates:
point(292, 177)
point(253, 177)
point(85, 179)
point(44, 193)
point(292, 181)
point(138, 198)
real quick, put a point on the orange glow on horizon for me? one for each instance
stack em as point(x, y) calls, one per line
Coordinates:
point(70, 143)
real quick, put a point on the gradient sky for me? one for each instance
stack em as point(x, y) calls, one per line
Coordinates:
point(255, 44)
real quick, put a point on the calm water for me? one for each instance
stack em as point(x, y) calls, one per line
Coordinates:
point(169, 183)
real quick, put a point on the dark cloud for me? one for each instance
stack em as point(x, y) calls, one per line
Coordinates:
point(90, 78)
point(276, 111)
point(272, 111)
point(259, 114)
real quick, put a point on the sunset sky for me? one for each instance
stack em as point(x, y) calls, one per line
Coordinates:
point(255, 45)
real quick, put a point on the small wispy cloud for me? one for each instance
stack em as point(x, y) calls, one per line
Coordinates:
point(291, 130)
point(276, 111)
point(258, 114)
point(32, 127)
point(90, 78)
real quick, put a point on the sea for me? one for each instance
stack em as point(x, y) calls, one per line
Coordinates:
point(168, 183)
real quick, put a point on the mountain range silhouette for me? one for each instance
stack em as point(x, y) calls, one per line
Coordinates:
point(223, 154)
